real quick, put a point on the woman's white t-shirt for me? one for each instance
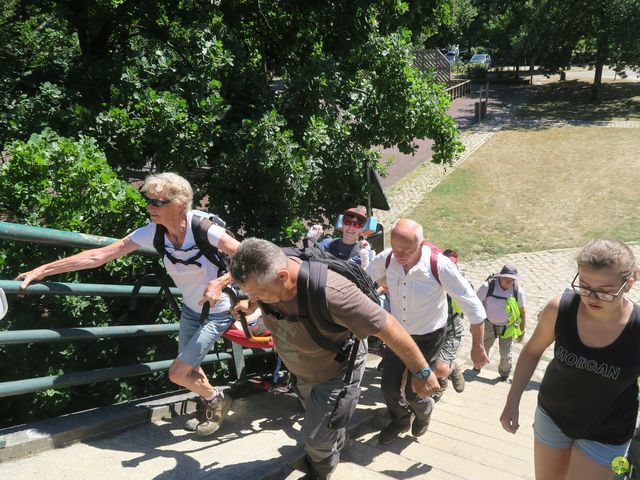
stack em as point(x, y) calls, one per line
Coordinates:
point(191, 280)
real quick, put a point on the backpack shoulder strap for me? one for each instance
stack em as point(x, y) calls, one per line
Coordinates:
point(200, 226)
point(433, 264)
point(308, 285)
point(387, 260)
point(491, 286)
point(355, 250)
point(158, 239)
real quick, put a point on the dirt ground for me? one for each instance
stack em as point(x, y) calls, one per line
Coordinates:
point(529, 190)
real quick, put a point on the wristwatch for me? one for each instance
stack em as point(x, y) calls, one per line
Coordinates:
point(424, 373)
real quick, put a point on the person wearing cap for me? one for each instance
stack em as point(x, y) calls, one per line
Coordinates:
point(504, 300)
point(350, 246)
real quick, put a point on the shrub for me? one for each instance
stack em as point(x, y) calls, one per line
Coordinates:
point(476, 71)
point(66, 184)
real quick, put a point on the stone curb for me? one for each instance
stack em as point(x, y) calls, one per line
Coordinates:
point(32, 438)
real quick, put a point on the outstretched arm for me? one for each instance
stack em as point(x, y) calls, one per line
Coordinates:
point(82, 261)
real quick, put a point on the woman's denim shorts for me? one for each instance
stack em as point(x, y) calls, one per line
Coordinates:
point(196, 339)
point(549, 434)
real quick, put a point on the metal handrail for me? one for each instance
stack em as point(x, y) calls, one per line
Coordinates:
point(80, 289)
point(30, 385)
point(61, 238)
point(51, 335)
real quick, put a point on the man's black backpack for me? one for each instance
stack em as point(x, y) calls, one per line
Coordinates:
point(312, 304)
point(312, 300)
point(199, 226)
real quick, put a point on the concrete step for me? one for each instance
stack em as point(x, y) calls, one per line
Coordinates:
point(261, 439)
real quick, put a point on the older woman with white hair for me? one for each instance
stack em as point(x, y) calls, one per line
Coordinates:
point(169, 197)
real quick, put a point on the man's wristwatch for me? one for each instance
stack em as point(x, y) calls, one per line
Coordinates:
point(424, 373)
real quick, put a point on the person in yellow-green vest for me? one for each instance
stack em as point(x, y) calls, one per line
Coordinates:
point(504, 301)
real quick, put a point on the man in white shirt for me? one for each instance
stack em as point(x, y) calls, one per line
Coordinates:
point(419, 302)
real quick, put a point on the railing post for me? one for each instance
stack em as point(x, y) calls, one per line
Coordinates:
point(238, 361)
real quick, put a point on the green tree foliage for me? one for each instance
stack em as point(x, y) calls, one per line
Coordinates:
point(279, 103)
point(272, 108)
point(554, 33)
point(39, 184)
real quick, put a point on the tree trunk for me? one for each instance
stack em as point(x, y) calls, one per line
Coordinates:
point(597, 81)
point(517, 68)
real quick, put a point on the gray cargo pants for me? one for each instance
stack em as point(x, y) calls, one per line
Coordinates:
point(323, 444)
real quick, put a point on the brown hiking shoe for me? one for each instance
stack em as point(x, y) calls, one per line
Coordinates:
point(214, 413)
point(457, 378)
point(191, 424)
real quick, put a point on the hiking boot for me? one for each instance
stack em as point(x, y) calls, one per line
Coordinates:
point(191, 424)
point(421, 425)
point(214, 412)
point(457, 378)
point(443, 386)
point(504, 377)
point(389, 433)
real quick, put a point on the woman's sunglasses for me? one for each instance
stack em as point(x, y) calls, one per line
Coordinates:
point(355, 223)
point(156, 202)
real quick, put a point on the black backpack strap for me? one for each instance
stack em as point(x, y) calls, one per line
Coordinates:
point(308, 289)
point(158, 244)
point(200, 226)
point(158, 240)
point(491, 286)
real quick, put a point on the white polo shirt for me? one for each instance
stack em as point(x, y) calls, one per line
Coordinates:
point(418, 301)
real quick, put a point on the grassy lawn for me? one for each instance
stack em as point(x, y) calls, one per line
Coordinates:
point(570, 101)
point(536, 190)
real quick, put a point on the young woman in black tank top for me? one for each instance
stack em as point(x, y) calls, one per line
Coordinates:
point(588, 398)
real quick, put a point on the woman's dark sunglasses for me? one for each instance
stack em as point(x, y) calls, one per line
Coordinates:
point(355, 223)
point(156, 202)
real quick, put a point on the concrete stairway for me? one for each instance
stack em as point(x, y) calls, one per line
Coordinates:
point(261, 439)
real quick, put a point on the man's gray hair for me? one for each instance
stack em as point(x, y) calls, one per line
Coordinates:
point(257, 260)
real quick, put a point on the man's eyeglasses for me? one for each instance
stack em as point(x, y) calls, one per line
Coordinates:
point(156, 202)
point(587, 292)
point(355, 223)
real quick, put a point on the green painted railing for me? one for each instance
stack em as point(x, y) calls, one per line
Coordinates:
point(61, 238)
point(80, 289)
